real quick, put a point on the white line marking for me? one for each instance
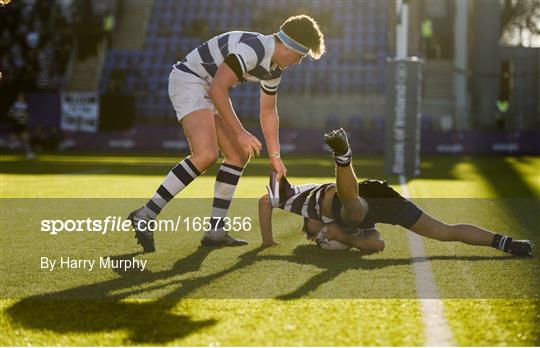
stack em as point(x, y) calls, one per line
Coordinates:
point(436, 329)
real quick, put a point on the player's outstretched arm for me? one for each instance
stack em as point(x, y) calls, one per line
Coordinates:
point(265, 221)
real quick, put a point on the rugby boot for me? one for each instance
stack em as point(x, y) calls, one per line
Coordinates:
point(338, 142)
point(145, 237)
point(520, 248)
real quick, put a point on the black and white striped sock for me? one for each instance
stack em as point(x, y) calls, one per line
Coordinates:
point(226, 180)
point(343, 160)
point(178, 178)
point(501, 242)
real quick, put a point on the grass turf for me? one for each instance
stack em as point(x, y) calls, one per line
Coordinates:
point(289, 295)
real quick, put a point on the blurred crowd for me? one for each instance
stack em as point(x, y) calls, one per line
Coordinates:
point(38, 39)
point(35, 44)
point(39, 36)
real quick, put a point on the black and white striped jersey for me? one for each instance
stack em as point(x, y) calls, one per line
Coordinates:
point(254, 53)
point(305, 200)
point(385, 204)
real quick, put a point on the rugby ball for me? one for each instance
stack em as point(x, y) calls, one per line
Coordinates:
point(325, 243)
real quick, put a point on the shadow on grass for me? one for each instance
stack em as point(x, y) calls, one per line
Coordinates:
point(505, 180)
point(145, 322)
point(92, 308)
point(348, 260)
point(96, 308)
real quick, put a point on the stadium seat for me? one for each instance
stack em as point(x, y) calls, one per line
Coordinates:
point(361, 28)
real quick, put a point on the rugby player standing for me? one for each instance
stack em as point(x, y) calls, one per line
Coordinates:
point(199, 91)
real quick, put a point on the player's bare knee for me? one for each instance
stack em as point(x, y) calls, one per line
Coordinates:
point(445, 233)
point(354, 214)
point(204, 159)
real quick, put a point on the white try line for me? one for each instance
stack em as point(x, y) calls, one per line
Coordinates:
point(436, 329)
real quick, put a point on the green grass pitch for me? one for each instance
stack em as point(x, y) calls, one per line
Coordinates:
point(287, 295)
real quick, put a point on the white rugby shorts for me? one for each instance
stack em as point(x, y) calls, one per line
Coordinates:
point(188, 93)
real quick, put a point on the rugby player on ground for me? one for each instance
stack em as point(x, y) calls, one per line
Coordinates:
point(340, 211)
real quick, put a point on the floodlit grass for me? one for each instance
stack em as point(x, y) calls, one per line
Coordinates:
point(293, 294)
point(500, 194)
point(494, 322)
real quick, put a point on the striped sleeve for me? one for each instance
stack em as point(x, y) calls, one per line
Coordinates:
point(270, 86)
point(246, 56)
point(249, 51)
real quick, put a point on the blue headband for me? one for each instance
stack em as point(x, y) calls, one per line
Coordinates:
point(292, 44)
